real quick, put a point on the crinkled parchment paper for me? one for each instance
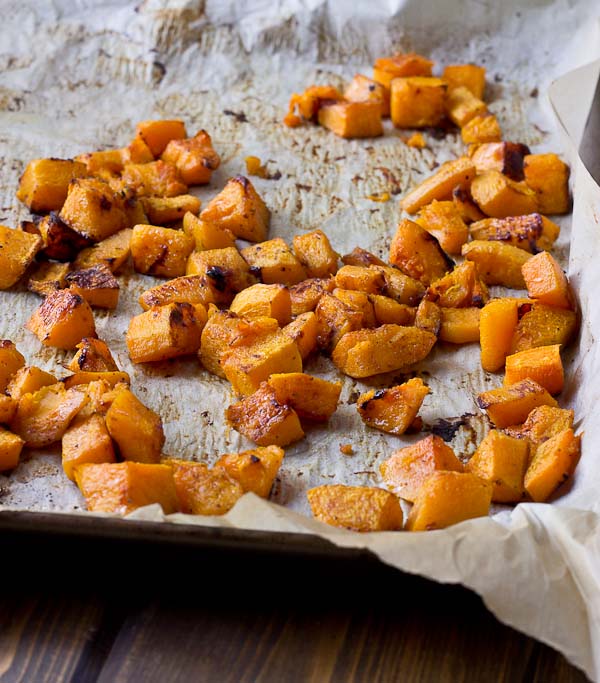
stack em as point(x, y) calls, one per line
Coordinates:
point(77, 76)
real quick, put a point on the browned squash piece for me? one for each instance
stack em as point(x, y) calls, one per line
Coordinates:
point(239, 208)
point(121, 488)
point(204, 491)
point(553, 463)
point(163, 210)
point(305, 295)
point(457, 173)
point(246, 367)
point(136, 152)
point(17, 251)
point(48, 277)
point(263, 420)
point(389, 312)
point(224, 270)
point(418, 253)
point(315, 253)
point(417, 101)
point(160, 251)
point(460, 325)
point(369, 280)
point(542, 364)
point(11, 446)
point(469, 76)
point(400, 65)
point(447, 498)
point(543, 423)
point(405, 471)
point(113, 378)
point(497, 263)
point(86, 441)
point(462, 105)
point(360, 508)
point(361, 257)
point(59, 241)
point(548, 177)
point(155, 179)
point(482, 128)
point(11, 360)
point(114, 252)
point(190, 289)
point(308, 104)
point(428, 317)
point(444, 221)
point(100, 396)
point(106, 160)
point(28, 380)
point(546, 282)
point(532, 232)
point(8, 408)
point(165, 332)
point(357, 301)
point(543, 325)
point(399, 286)
point(303, 330)
point(195, 158)
point(504, 157)
point(334, 319)
point(62, 320)
point(271, 301)
point(385, 349)
point(97, 285)
point(207, 235)
point(43, 416)
point(275, 262)
point(93, 355)
point(497, 324)
point(137, 430)
point(254, 470)
point(363, 89)
point(510, 405)
point(157, 134)
point(501, 460)
point(499, 196)
point(466, 207)
point(392, 410)
point(311, 397)
point(352, 119)
point(458, 289)
point(45, 183)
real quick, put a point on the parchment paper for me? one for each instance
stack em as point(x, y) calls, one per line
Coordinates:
point(77, 76)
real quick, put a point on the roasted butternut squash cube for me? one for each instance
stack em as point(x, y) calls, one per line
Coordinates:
point(254, 470)
point(428, 317)
point(352, 119)
point(97, 285)
point(86, 441)
point(546, 282)
point(45, 183)
point(417, 101)
point(467, 209)
point(418, 253)
point(303, 330)
point(93, 355)
point(163, 210)
point(17, 251)
point(497, 263)
point(60, 242)
point(194, 158)
point(462, 105)
point(136, 152)
point(357, 301)
point(501, 460)
point(469, 76)
point(553, 463)
point(456, 173)
point(28, 380)
point(405, 471)
point(190, 289)
point(548, 177)
point(499, 196)
point(543, 326)
point(305, 295)
point(275, 262)
point(8, 408)
point(460, 325)
point(207, 235)
point(165, 332)
point(114, 252)
point(360, 508)
point(106, 160)
point(480, 129)
point(388, 311)
point(334, 319)
point(48, 277)
point(542, 364)
point(400, 65)
point(62, 320)
point(157, 134)
point(263, 420)
point(459, 289)
point(100, 394)
point(369, 280)
point(361, 257)
point(43, 416)
point(271, 301)
point(11, 360)
point(532, 232)
point(240, 209)
point(497, 323)
point(11, 446)
point(444, 221)
point(510, 405)
point(315, 253)
point(363, 89)
point(541, 424)
point(121, 488)
point(399, 286)
point(447, 498)
point(157, 178)
point(308, 104)
point(387, 348)
point(137, 430)
point(392, 410)
point(311, 397)
point(225, 271)
point(505, 157)
point(160, 251)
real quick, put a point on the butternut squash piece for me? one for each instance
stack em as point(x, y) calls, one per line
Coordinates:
point(429, 317)
point(121, 488)
point(315, 253)
point(263, 420)
point(275, 262)
point(388, 311)
point(548, 177)
point(357, 301)
point(136, 152)
point(532, 232)
point(480, 129)
point(497, 324)
point(541, 424)
point(60, 242)
point(505, 157)
point(157, 178)
point(399, 286)
point(469, 76)
point(510, 405)
point(28, 380)
point(254, 470)
point(309, 102)
point(363, 89)
point(444, 222)
point(11, 446)
point(86, 442)
point(114, 252)
point(418, 253)
point(352, 119)
point(448, 498)
point(303, 331)
point(417, 101)
point(546, 282)
point(466, 207)
point(369, 280)
point(360, 508)
point(207, 235)
point(163, 210)
point(305, 295)
point(160, 251)
point(62, 320)
point(97, 285)
point(8, 408)
point(239, 208)
point(400, 65)
point(543, 326)
point(499, 196)
point(190, 289)
point(17, 251)
point(458, 172)
point(311, 397)
point(497, 263)
point(93, 355)
point(225, 271)
point(158, 133)
point(462, 105)
point(271, 301)
point(542, 364)
point(100, 394)
point(460, 325)
point(334, 319)
point(361, 257)
point(387, 348)
point(195, 158)
point(137, 430)
point(109, 160)
point(45, 183)
point(459, 289)
point(11, 360)
point(392, 410)
point(553, 463)
point(48, 277)
point(113, 378)
point(406, 470)
point(502, 461)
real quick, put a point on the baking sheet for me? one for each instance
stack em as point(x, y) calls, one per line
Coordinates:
point(78, 76)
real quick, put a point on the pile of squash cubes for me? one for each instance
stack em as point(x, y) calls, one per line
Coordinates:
point(254, 309)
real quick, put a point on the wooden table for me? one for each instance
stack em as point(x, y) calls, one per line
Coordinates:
point(83, 611)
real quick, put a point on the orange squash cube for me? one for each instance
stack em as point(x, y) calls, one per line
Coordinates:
point(531, 232)
point(369, 280)
point(275, 262)
point(316, 255)
point(334, 319)
point(456, 173)
point(542, 364)
point(60, 242)
point(444, 221)
point(543, 423)
point(467, 209)
point(352, 119)
point(93, 355)
point(499, 196)
point(361, 257)
point(388, 311)
point(190, 289)
point(357, 301)
point(400, 65)
point(48, 277)
point(462, 106)
point(194, 158)
point(11, 360)
point(505, 157)
point(155, 179)
point(460, 325)
point(510, 405)
point(480, 129)
point(17, 251)
point(308, 104)
point(114, 252)
point(311, 397)
point(207, 235)
point(428, 317)
point(546, 282)
point(97, 285)
point(254, 470)
point(11, 446)
point(552, 464)
point(392, 410)
point(543, 326)
point(469, 76)
point(62, 320)
point(305, 295)
point(271, 301)
point(497, 323)
point(224, 270)
point(160, 251)
point(399, 286)
point(363, 89)
point(28, 380)
point(86, 441)
point(157, 134)
point(106, 160)
point(163, 210)
point(497, 263)
point(459, 289)
point(303, 331)
point(45, 183)
point(548, 177)
point(417, 101)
